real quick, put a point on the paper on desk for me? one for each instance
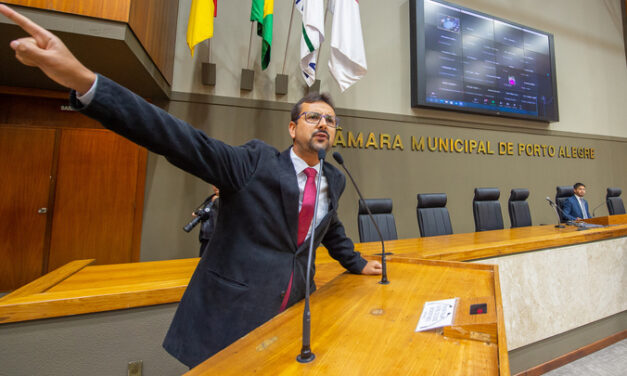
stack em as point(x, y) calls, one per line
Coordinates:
point(437, 314)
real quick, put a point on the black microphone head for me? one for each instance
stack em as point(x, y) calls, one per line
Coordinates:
point(322, 153)
point(338, 157)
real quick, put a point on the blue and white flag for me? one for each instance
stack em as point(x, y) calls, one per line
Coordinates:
point(312, 36)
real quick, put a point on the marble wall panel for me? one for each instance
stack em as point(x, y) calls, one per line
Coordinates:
point(551, 291)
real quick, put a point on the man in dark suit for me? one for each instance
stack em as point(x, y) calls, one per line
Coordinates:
point(258, 258)
point(575, 207)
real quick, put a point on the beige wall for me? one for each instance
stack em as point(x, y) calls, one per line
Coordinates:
point(592, 85)
point(171, 194)
point(589, 49)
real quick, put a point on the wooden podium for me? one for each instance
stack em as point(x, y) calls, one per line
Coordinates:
point(609, 220)
point(360, 327)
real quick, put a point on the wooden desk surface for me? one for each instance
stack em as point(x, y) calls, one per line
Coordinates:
point(77, 288)
point(360, 327)
point(477, 245)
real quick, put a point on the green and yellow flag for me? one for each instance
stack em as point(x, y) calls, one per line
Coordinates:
point(262, 12)
point(200, 25)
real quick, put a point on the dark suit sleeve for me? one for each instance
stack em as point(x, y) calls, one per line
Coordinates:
point(341, 248)
point(339, 245)
point(122, 111)
point(568, 210)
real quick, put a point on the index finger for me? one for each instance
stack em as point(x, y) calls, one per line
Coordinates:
point(40, 34)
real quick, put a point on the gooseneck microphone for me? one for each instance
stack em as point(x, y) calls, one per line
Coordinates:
point(384, 273)
point(556, 208)
point(306, 355)
point(596, 207)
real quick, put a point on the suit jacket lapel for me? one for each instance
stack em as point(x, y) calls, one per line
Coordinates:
point(289, 193)
point(334, 193)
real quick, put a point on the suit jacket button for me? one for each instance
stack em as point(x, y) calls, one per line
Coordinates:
point(283, 294)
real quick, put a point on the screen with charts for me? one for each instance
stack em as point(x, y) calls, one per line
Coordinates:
point(468, 61)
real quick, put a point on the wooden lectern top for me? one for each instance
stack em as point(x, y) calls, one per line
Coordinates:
point(609, 220)
point(360, 327)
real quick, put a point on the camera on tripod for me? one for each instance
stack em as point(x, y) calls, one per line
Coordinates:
point(200, 214)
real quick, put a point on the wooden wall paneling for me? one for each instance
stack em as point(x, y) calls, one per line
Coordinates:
point(154, 24)
point(51, 199)
point(18, 108)
point(95, 198)
point(115, 10)
point(26, 161)
point(139, 204)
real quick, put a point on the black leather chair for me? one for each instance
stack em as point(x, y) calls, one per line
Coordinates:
point(518, 207)
point(486, 209)
point(381, 209)
point(614, 202)
point(562, 193)
point(433, 216)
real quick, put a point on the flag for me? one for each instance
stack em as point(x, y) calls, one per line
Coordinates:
point(347, 62)
point(312, 36)
point(200, 24)
point(262, 12)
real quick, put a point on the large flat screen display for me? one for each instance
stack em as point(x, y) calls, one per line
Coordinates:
point(468, 61)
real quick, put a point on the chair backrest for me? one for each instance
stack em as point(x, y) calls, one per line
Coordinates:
point(562, 193)
point(381, 209)
point(614, 202)
point(433, 216)
point(518, 207)
point(486, 209)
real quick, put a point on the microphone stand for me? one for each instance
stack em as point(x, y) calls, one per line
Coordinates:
point(555, 207)
point(384, 274)
point(306, 355)
point(595, 208)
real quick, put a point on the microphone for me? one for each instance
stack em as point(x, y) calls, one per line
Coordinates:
point(306, 355)
point(556, 208)
point(596, 207)
point(384, 274)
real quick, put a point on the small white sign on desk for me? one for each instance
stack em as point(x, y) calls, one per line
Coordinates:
point(437, 314)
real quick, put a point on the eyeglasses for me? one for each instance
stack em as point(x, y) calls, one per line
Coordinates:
point(314, 118)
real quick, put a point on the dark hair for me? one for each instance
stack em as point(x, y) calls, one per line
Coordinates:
point(311, 98)
point(577, 185)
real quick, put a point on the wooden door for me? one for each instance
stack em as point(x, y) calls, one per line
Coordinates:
point(26, 164)
point(97, 193)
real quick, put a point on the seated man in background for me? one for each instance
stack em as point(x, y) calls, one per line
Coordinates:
point(575, 207)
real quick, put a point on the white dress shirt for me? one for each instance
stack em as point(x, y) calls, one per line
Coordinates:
point(323, 203)
point(584, 213)
point(86, 98)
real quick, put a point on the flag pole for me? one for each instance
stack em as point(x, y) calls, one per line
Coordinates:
point(250, 42)
point(316, 85)
point(289, 29)
point(208, 51)
point(325, 25)
point(248, 75)
point(208, 70)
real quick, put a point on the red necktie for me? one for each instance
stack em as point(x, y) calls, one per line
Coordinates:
point(307, 208)
point(304, 220)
